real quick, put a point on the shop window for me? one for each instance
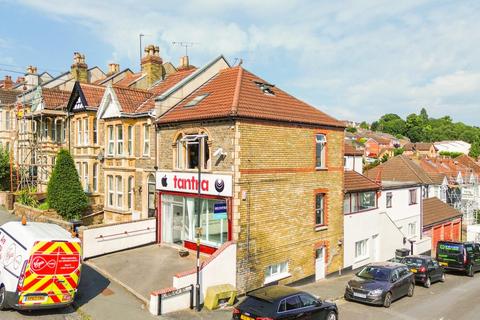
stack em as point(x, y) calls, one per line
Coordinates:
point(189, 151)
point(146, 140)
point(119, 139)
point(130, 140)
point(412, 199)
point(276, 272)
point(361, 249)
point(320, 145)
point(389, 199)
point(111, 141)
point(320, 209)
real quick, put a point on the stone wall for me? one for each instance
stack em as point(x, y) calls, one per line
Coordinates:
point(37, 215)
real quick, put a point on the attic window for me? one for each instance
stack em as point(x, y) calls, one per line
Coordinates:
point(196, 100)
point(265, 87)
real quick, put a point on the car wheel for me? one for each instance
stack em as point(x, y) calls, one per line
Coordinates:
point(331, 316)
point(427, 283)
point(470, 271)
point(387, 301)
point(411, 288)
point(442, 279)
point(3, 298)
point(345, 296)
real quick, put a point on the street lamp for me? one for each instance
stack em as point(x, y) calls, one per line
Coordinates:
point(198, 139)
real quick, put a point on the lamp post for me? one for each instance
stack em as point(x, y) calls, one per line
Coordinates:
point(199, 140)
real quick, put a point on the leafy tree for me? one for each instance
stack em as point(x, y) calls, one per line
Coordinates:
point(475, 149)
point(351, 129)
point(64, 191)
point(4, 169)
point(374, 126)
point(384, 158)
point(424, 114)
point(398, 151)
point(364, 125)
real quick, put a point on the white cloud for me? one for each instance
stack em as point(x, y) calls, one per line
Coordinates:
point(354, 58)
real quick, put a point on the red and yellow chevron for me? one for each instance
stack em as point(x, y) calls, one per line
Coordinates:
point(52, 273)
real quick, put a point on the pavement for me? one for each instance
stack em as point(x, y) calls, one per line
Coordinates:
point(130, 267)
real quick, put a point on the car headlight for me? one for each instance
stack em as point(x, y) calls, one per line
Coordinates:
point(375, 292)
point(348, 287)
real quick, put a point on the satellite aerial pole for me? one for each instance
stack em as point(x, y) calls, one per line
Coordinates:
point(184, 44)
point(140, 42)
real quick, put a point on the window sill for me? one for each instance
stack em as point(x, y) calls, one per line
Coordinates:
point(321, 168)
point(277, 277)
point(321, 227)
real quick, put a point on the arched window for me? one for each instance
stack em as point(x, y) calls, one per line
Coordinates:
point(151, 195)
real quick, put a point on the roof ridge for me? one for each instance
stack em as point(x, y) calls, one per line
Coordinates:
point(236, 94)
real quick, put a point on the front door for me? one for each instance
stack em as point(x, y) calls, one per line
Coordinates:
point(177, 224)
point(320, 263)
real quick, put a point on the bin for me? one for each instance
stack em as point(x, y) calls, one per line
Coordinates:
point(403, 252)
point(219, 294)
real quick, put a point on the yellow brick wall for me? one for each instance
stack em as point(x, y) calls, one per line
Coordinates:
point(275, 223)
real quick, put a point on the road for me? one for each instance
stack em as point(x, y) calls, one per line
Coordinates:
point(456, 299)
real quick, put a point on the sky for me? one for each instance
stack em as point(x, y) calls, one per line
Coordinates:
point(355, 60)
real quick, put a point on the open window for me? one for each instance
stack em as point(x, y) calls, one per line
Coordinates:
point(191, 150)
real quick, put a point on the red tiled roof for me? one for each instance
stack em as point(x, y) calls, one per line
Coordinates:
point(354, 181)
point(128, 80)
point(234, 92)
point(55, 99)
point(131, 99)
point(93, 94)
point(8, 96)
point(351, 150)
point(400, 168)
point(435, 211)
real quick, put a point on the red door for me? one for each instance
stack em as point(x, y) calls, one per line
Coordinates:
point(436, 236)
point(447, 231)
point(456, 231)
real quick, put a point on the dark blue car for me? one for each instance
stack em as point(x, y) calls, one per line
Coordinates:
point(381, 283)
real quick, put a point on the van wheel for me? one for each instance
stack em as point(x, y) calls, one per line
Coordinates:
point(470, 271)
point(3, 298)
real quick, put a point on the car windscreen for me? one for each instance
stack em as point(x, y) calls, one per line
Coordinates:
point(446, 249)
point(413, 262)
point(375, 273)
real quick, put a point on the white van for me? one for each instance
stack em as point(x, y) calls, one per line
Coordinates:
point(39, 266)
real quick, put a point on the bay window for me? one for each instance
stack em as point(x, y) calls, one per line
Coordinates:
point(94, 131)
point(111, 141)
point(119, 191)
point(130, 193)
point(95, 177)
point(146, 140)
point(119, 139)
point(130, 140)
point(79, 132)
point(85, 132)
point(85, 177)
point(110, 190)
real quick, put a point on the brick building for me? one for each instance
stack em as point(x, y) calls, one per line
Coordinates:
point(272, 161)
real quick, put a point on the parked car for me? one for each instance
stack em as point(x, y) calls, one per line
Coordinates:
point(381, 283)
point(426, 269)
point(461, 256)
point(279, 302)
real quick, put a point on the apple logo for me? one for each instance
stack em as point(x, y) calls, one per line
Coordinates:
point(164, 181)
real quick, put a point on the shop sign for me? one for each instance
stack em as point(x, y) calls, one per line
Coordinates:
point(220, 210)
point(211, 184)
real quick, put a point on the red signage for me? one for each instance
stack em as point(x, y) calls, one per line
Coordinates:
point(49, 264)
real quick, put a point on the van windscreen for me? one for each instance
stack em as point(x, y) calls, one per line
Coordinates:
point(450, 248)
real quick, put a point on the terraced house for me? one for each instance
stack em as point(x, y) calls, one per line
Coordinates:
point(261, 168)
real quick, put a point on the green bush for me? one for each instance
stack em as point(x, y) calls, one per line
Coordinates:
point(4, 169)
point(27, 197)
point(44, 206)
point(64, 191)
point(451, 154)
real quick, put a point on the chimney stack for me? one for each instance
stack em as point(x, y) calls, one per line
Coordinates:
point(7, 82)
point(79, 69)
point(184, 63)
point(113, 68)
point(31, 77)
point(152, 64)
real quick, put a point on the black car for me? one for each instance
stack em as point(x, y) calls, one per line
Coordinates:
point(381, 283)
point(426, 269)
point(279, 302)
point(460, 256)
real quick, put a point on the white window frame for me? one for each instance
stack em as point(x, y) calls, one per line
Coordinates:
point(146, 139)
point(95, 133)
point(130, 187)
point(130, 140)
point(95, 177)
point(322, 209)
point(7, 120)
point(361, 250)
point(85, 177)
point(412, 229)
point(85, 132)
point(412, 200)
point(79, 132)
point(276, 272)
point(119, 191)
point(320, 140)
point(111, 191)
point(110, 140)
point(119, 135)
point(389, 196)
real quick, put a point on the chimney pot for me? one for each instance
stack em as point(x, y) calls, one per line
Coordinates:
point(184, 63)
point(113, 68)
point(31, 70)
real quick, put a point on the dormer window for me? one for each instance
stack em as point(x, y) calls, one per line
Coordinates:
point(266, 88)
point(196, 100)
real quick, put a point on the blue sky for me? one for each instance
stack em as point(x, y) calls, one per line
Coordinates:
point(352, 59)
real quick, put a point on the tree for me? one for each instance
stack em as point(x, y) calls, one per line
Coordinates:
point(398, 151)
point(364, 125)
point(351, 129)
point(64, 191)
point(475, 149)
point(4, 169)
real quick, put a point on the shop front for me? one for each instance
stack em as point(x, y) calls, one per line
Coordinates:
point(180, 204)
